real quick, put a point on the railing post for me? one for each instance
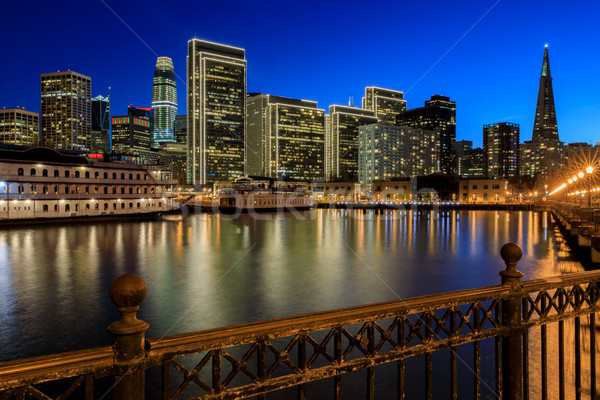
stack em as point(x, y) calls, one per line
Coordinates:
point(127, 292)
point(512, 364)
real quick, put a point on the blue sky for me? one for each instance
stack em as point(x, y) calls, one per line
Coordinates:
point(486, 55)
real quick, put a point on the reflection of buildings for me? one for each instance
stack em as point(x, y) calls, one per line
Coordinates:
point(164, 100)
point(388, 151)
point(216, 92)
point(501, 150)
point(66, 114)
point(132, 134)
point(19, 127)
point(100, 137)
point(544, 153)
point(438, 114)
point(285, 137)
point(341, 140)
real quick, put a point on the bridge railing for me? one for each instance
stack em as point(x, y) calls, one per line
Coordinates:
point(293, 353)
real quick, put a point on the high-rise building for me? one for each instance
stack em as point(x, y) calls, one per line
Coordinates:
point(132, 135)
point(439, 114)
point(285, 137)
point(66, 110)
point(545, 152)
point(216, 92)
point(386, 103)
point(19, 127)
point(180, 129)
point(341, 140)
point(164, 100)
point(469, 161)
point(501, 150)
point(100, 136)
point(388, 151)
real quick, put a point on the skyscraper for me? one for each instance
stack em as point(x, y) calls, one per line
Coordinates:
point(285, 137)
point(19, 127)
point(341, 140)
point(66, 110)
point(544, 153)
point(501, 150)
point(386, 103)
point(164, 100)
point(132, 135)
point(216, 92)
point(100, 136)
point(545, 127)
point(439, 114)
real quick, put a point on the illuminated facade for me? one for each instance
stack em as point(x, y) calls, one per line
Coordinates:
point(132, 135)
point(285, 137)
point(216, 93)
point(439, 114)
point(19, 127)
point(164, 100)
point(100, 136)
point(180, 129)
point(341, 140)
point(545, 152)
point(386, 103)
point(388, 151)
point(501, 150)
point(66, 110)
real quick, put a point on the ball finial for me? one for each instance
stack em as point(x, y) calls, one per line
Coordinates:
point(128, 290)
point(511, 253)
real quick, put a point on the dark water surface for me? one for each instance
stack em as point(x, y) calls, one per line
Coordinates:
point(209, 271)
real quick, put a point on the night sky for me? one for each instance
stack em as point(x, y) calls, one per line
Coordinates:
point(491, 52)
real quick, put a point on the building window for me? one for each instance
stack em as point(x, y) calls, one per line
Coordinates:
point(45, 189)
point(485, 187)
point(67, 173)
point(106, 206)
point(138, 205)
point(114, 190)
point(55, 207)
point(114, 206)
point(67, 207)
point(20, 172)
point(105, 189)
point(96, 174)
point(474, 186)
point(45, 208)
point(87, 174)
point(122, 205)
point(87, 190)
point(106, 175)
point(130, 176)
point(122, 175)
point(145, 190)
point(76, 207)
point(56, 174)
point(145, 177)
point(87, 206)
point(32, 172)
point(122, 190)
point(67, 189)
point(114, 175)
point(138, 177)
point(130, 205)
point(130, 190)
point(45, 172)
point(77, 174)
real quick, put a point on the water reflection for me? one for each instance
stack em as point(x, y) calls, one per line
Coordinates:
point(207, 271)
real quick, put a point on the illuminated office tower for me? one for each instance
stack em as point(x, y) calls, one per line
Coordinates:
point(387, 151)
point(438, 114)
point(216, 93)
point(545, 151)
point(19, 127)
point(180, 129)
point(501, 150)
point(66, 110)
point(285, 137)
point(164, 100)
point(100, 136)
point(132, 135)
point(341, 140)
point(386, 103)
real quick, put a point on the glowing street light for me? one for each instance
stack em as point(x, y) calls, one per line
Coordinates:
point(580, 174)
point(589, 169)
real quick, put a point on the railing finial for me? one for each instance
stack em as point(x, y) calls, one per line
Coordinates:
point(511, 253)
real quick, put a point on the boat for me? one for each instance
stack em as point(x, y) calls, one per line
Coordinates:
point(248, 195)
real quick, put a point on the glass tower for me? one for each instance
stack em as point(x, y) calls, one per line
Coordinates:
point(216, 101)
point(164, 100)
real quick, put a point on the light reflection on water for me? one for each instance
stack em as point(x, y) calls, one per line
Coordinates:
point(208, 271)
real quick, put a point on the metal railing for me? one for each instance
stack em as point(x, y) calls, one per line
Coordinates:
point(257, 358)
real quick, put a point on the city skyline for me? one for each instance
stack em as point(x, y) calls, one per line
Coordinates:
point(336, 61)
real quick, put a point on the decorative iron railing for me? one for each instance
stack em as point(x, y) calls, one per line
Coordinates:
point(292, 353)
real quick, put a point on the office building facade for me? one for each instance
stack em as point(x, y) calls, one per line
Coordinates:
point(216, 94)
point(501, 150)
point(285, 137)
point(100, 136)
point(164, 100)
point(180, 128)
point(388, 151)
point(132, 135)
point(341, 141)
point(66, 110)
point(19, 127)
point(385, 103)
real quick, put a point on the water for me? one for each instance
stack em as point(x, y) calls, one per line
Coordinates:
point(209, 271)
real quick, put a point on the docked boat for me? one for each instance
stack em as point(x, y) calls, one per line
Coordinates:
point(248, 195)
